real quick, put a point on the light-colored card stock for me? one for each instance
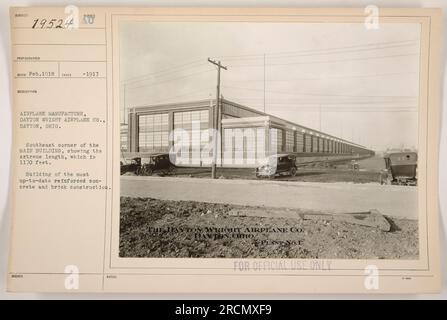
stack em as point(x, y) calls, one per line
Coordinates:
point(225, 150)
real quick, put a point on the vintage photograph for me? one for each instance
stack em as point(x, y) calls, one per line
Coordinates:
point(269, 140)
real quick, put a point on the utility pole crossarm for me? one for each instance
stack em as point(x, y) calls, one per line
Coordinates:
point(217, 63)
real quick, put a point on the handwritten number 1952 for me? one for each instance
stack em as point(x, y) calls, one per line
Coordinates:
point(48, 24)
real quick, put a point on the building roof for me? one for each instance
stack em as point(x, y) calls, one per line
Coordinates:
point(291, 124)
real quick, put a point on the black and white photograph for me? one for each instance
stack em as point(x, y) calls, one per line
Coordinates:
point(269, 140)
point(237, 151)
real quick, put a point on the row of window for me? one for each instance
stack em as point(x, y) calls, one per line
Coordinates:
point(298, 142)
point(154, 132)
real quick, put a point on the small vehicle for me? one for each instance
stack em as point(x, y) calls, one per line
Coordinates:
point(157, 163)
point(355, 165)
point(277, 164)
point(400, 169)
point(130, 165)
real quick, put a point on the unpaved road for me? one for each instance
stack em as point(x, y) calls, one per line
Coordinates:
point(395, 201)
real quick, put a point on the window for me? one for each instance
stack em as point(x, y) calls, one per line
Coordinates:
point(275, 140)
point(289, 141)
point(315, 144)
point(228, 146)
point(299, 141)
point(195, 138)
point(123, 140)
point(243, 145)
point(250, 145)
point(238, 146)
point(260, 143)
point(153, 132)
point(123, 137)
point(308, 143)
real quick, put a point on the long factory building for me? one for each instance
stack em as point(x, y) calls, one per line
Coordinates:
point(248, 136)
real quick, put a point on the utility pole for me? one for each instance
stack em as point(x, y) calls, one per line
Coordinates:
point(216, 117)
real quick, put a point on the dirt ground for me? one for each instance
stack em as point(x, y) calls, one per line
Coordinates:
point(160, 228)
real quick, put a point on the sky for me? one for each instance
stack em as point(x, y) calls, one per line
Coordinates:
point(358, 84)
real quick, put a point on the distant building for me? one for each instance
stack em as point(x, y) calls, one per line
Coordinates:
point(124, 134)
point(248, 135)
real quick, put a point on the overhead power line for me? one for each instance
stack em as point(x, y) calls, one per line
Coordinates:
point(195, 63)
point(325, 49)
point(170, 80)
point(329, 77)
point(163, 72)
point(319, 53)
point(323, 61)
point(190, 93)
point(320, 94)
